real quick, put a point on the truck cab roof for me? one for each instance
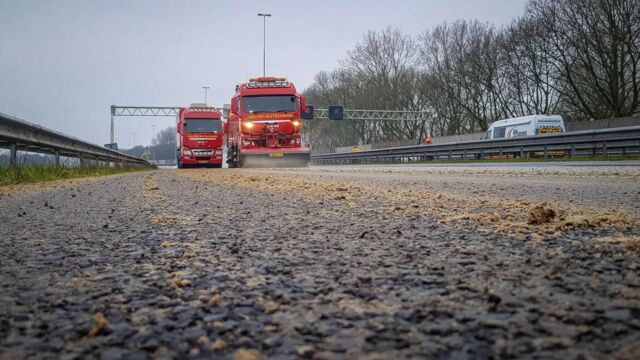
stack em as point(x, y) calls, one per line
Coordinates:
point(201, 112)
point(524, 120)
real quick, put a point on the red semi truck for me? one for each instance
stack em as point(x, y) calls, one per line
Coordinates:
point(264, 125)
point(200, 132)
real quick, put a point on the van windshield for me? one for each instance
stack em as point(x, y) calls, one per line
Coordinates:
point(202, 126)
point(498, 133)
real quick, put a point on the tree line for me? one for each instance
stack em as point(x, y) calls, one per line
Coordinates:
point(163, 146)
point(577, 58)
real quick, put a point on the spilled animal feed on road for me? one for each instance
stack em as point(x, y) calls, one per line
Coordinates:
point(254, 264)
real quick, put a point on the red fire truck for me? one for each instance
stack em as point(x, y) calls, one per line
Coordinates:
point(200, 131)
point(264, 125)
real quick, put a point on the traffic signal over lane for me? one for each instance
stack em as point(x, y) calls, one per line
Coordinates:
point(336, 112)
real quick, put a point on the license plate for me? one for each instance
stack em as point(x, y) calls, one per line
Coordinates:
point(276, 154)
point(203, 161)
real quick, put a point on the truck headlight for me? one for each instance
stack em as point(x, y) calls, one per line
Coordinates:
point(248, 125)
point(296, 123)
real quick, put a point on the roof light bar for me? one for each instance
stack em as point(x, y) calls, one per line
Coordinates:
point(264, 82)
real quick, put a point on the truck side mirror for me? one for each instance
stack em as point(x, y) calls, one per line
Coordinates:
point(234, 106)
point(303, 104)
point(308, 113)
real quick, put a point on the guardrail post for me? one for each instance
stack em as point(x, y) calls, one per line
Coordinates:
point(521, 152)
point(57, 158)
point(500, 151)
point(604, 148)
point(546, 155)
point(573, 150)
point(13, 155)
point(82, 161)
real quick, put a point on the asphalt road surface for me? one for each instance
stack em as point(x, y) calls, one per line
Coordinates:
point(324, 263)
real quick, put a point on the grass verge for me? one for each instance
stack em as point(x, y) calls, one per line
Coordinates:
point(512, 160)
point(39, 173)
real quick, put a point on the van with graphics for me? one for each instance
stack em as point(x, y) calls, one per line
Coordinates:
point(525, 126)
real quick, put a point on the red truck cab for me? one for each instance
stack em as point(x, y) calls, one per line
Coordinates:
point(200, 131)
point(264, 125)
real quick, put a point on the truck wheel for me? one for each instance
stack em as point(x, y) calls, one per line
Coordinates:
point(179, 165)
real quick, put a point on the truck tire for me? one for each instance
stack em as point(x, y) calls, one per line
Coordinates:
point(232, 157)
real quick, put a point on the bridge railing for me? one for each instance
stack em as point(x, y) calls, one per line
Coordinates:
point(19, 135)
point(604, 142)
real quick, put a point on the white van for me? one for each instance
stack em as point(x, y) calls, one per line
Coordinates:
point(525, 126)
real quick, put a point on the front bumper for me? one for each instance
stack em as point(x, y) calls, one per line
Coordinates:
point(203, 157)
point(274, 157)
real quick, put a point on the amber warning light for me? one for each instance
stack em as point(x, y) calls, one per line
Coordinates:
point(268, 82)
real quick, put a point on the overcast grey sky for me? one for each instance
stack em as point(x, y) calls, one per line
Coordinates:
point(64, 62)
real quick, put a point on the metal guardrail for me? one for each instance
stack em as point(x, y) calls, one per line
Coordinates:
point(19, 135)
point(604, 142)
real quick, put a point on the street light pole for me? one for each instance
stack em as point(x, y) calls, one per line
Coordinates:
point(264, 42)
point(205, 93)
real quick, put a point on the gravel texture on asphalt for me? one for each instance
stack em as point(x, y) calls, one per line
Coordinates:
point(320, 264)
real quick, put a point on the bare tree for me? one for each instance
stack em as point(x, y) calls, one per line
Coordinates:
point(164, 143)
point(596, 48)
point(463, 62)
point(531, 78)
point(579, 58)
point(379, 73)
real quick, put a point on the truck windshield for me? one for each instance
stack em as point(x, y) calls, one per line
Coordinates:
point(268, 104)
point(201, 126)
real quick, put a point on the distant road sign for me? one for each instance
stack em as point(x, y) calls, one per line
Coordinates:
point(336, 112)
point(112, 146)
